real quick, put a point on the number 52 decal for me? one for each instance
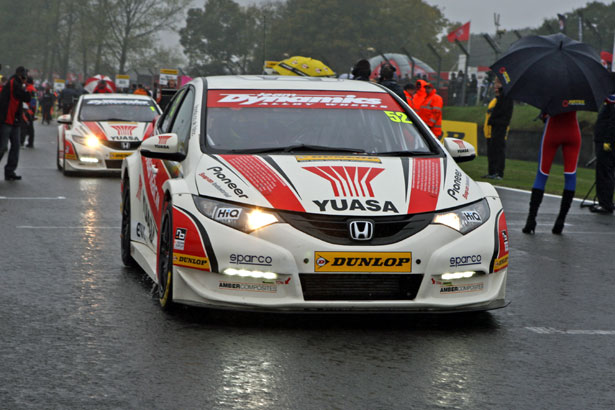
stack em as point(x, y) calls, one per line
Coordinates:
point(398, 117)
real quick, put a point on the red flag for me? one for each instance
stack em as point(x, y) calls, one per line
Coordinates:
point(462, 33)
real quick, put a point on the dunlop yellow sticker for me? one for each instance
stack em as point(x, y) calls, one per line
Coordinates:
point(500, 263)
point(191, 261)
point(363, 262)
point(70, 156)
point(119, 155)
point(349, 158)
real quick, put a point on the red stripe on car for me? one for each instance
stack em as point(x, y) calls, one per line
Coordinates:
point(268, 183)
point(426, 174)
point(95, 128)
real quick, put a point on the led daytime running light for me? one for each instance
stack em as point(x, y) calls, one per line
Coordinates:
point(244, 273)
point(458, 275)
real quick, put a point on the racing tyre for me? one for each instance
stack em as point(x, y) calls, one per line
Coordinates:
point(58, 159)
point(64, 171)
point(165, 259)
point(127, 258)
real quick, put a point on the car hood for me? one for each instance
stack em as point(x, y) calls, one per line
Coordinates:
point(117, 131)
point(333, 185)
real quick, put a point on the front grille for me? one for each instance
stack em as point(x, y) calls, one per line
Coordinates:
point(353, 286)
point(113, 163)
point(334, 229)
point(118, 145)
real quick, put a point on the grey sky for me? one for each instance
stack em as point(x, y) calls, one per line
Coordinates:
point(514, 14)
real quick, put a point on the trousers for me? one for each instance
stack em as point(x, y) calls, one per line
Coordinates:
point(10, 133)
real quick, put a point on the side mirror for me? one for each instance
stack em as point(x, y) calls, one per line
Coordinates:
point(163, 146)
point(460, 150)
point(65, 119)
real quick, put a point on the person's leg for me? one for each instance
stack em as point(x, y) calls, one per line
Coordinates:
point(499, 135)
point(545, 159)
point(5, 131)
point(610, 184)
point(23, 133)
point(13, 159)
point(30, 143)
point(605, 179)
point(571, 151)
point(490, 157)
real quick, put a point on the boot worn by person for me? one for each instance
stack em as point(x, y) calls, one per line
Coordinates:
point(12, 177)
point(535, 200)
point(567, 198)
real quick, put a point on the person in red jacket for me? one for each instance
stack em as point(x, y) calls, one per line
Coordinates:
point(13, 96)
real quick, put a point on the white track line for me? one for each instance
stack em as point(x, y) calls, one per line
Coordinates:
point(525, 191)
point(553, 331)
point(32, 197)
point(66, 227)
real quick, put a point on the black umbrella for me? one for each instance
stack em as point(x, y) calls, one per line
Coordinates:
point(554, 73)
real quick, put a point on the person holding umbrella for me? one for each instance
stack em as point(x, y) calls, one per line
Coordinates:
point(560, 76)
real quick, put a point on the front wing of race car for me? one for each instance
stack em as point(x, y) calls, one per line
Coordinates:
point(284, 269)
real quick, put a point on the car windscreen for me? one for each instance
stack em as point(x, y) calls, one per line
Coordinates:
point(120, 109)
point(252, 121)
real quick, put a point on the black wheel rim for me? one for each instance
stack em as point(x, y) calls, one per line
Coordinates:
point(164, 258)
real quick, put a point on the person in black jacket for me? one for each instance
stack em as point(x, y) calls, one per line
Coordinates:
point(13, 96)
point(604, 138)
point(386, 78)
point(361, 70)
point(68, 97)
point(496, 145)
point(47, 101)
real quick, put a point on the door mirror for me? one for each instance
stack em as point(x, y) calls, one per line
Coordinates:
point(460, 150)
point(65, 119)
point(162, 146)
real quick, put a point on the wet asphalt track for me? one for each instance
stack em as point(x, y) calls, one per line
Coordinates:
point(79, 330)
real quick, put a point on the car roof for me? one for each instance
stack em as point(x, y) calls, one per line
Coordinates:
point(117, 96)
point(273, 82)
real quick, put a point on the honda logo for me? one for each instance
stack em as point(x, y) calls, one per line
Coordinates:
point(361, 230)
point(125, 145)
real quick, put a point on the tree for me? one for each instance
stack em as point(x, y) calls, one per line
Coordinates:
point(133, 24)
point(220, 38)
point(339, 35)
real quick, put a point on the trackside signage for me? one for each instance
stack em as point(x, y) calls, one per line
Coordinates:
point(301, 99)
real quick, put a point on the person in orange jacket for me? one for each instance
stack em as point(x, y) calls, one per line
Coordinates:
point(140, 90)
point(409, 90)
point(428, 106)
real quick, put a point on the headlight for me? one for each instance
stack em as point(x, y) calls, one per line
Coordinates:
point(87, 140)
point(246, 219)
point(91, 141)
point(465, 219)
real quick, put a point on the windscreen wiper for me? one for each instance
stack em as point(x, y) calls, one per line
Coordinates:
point(404, 153)
point(298, 147)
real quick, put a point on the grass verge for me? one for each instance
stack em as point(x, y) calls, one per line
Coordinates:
point(523, 118)
point(521, 174)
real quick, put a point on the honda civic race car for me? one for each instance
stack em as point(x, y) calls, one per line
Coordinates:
point(102, 130)
point(303, 194)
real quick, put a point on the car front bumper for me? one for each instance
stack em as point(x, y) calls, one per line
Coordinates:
point(302, 285)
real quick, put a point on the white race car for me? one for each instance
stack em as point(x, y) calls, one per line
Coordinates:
point(303, 194)
point(102, 130)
